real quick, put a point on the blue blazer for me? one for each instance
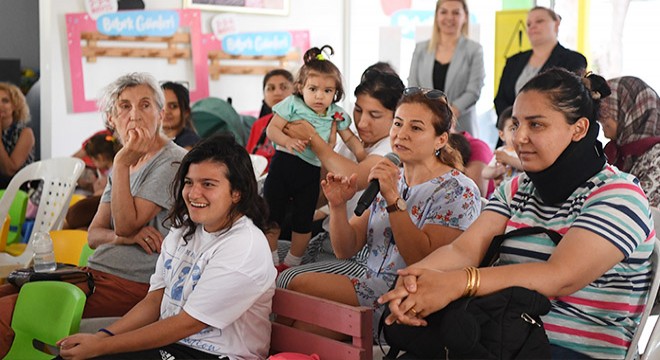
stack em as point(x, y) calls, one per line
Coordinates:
point(559, 57)
point(465, 78)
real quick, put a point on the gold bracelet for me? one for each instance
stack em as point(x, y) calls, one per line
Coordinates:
point(469, 280)
point(477, 281)
point(473, 281)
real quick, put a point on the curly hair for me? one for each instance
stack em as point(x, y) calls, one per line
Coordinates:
point(21, 111)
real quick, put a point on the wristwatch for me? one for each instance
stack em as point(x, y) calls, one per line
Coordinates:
point(398, 205)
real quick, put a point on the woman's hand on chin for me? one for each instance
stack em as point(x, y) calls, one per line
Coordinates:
point(339, 189)
point(137, 144)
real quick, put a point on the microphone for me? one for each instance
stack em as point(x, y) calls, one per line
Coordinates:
point(373, 188)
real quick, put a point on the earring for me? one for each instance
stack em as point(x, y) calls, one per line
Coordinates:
point(437, 152)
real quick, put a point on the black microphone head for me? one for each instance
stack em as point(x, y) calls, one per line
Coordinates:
point(394, 158)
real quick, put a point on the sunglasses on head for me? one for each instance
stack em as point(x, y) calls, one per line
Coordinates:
point(431, 94)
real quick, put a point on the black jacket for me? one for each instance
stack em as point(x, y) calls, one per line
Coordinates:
point(560, 57)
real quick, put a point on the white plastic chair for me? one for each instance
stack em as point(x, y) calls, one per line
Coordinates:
point(652, 351)
point(60, 176)
point(259, 164)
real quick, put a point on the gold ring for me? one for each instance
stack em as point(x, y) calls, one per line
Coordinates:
point(146, 239)
point(413, 311)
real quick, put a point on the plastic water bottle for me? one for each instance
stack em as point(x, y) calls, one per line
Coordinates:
point(44, 257)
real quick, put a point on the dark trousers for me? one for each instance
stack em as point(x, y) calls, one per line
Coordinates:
point(293, 184)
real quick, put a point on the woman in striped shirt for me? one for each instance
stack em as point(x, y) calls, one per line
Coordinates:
point(598, 276)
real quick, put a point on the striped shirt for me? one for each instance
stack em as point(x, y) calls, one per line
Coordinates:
point(600, 319)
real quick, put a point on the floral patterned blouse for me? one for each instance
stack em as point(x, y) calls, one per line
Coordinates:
point(451, 199)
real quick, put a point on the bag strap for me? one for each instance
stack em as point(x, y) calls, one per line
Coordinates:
point(393, 352)
point(494, 248)
point(90, 283)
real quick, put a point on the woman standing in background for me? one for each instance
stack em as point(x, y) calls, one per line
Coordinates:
point(17, 138)
point(451, 62)
point(546, 52)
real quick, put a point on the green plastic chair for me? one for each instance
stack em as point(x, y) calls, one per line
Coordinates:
point(45, 311)
point(17, 211)
point(84, 255)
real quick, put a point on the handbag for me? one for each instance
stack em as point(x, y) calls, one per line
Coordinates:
point(63, 272)
point(504, 325)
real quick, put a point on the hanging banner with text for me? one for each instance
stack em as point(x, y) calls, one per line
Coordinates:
point(257, 43)
point(139, 23)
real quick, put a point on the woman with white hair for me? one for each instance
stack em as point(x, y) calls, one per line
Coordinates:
point(127, 230)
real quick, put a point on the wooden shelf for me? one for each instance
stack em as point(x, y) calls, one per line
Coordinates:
point(176, 47)
point(223, 63)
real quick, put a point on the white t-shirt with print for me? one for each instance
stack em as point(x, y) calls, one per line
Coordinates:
point(225, 280)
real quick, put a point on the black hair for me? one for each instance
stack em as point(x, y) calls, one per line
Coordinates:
point(277, 72)
point(382, 66)
point(383, 86)
point(315, 61)
point(220, 148)
point(504, 116)
point(183, 98)
point(569, 94)
point(103, 144)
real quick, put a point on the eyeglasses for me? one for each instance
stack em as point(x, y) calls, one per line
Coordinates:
point(431, 94)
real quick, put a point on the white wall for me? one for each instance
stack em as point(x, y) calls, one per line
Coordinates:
point(352, 27)
point(63, 131)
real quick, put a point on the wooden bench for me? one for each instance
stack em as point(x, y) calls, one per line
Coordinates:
point(355, 322)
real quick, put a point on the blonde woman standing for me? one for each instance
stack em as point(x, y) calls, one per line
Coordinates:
point(17, 138)
point(452, 63)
